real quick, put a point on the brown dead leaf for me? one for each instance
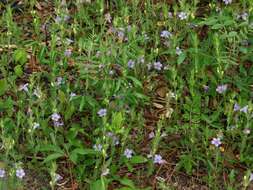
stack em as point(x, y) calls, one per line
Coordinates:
point(158, 106)
point(162, 91)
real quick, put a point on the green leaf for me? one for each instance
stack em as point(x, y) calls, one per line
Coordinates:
point(48, 148)
point(18, 70)
point(127, 182)
point(53, 157)
point(20, 56)
point(138, 160)
point(181, 58)
point(98, 185)
point(217, 26)
point(3, 86)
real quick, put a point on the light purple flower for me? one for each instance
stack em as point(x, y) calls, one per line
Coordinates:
point(244, 16)
point(227, 2)
point(97, 147)
point(105, 172)
point(165, 34)
point(206, 88)
point(128, 153)
point(216, 142)
point(131, 64)
point(37, 93)
point(178, 51)
point(24, 87)
point(58, 19)
point(170, 15)
point(66, 18)
point(251, 177)
point(121, 34)
point(102, 112)
point(111, 72)
point(72, 95)
point(55, 117)
point(58, 177)
point(58, 123)
point(182, 15)
point(68, 52)
point(244, 109)
point(36, 125)
point(69, 41)
point(158, 66)
point(59, 81)
point(141, 59)
point(237, 107)
point(20, 173)
point(222, 88)
point(158, 159)
point(108, 17)
point(2, 173)
point(246, 131)
point(151, 135)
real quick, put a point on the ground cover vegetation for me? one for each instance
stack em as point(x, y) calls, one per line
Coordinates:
point(126, 94)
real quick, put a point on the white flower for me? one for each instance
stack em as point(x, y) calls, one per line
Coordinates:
point(182, 15)
point(36, 125)
point(105, 172)
point(246, 131)
point(178, 51)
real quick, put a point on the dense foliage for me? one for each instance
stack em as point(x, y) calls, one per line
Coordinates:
point(126, 94)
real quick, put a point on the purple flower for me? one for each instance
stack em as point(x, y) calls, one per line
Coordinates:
point(178, 51)
point(128, 153)
point(20, 173)
point(165, 34)
point(244, 109)
point(216, 142)
point(227, 2)
point(24, 87)
point(2, 173)
point(55, 117)
point(102, 112)
point(206, 88)
point(158, 66)
point(68, 52)
point(182, 15)
point(131, 64)
point(158, 159)
point(237, 107)
point(222, 88)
